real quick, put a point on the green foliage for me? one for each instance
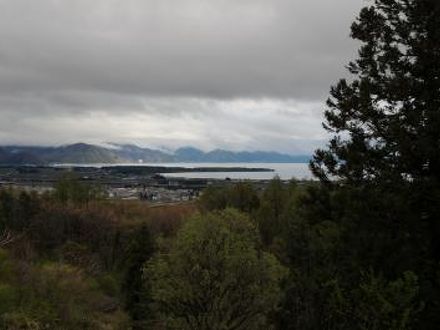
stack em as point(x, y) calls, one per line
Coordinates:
point(215, 275)
point(6, 208)
point(271, 213)
point(386, 119)
point(379, 210)
point(313, 248)
point(241, 196)
point(137, 294)
point(69, 189)
point(94, 230)
point(214, 198)
point(53, 296)
point(377, 303)
point(362, 247)
point(17, 209)
point(8, 293)
point(56, 246)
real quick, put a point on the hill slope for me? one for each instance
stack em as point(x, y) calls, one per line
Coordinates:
point(82, 153)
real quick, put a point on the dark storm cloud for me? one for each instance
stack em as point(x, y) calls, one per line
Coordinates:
point(67, 59)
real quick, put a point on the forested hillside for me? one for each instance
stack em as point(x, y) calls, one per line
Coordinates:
point(83, 153)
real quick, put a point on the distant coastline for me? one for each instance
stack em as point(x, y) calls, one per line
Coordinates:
point(36, 174)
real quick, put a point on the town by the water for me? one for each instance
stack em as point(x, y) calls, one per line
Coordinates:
point(146, 183)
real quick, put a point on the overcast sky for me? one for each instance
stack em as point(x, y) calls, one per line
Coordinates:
point(234, 74)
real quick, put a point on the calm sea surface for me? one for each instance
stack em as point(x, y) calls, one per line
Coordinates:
point(285, 171)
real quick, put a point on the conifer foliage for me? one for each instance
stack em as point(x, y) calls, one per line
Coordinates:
point(386, 120)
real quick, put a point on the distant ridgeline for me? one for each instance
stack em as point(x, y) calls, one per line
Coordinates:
point(82, 153)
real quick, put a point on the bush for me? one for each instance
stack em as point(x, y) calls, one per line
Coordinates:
point(215, 275)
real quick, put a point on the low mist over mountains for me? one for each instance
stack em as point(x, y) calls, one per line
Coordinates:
point(82, 153)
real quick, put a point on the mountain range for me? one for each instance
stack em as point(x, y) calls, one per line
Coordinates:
point(82, 153)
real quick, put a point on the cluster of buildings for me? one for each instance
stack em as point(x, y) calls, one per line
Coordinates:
point(153, 194)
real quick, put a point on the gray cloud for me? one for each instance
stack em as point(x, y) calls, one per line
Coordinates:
point(219, 48)
point(269, 124)
point(192, 62)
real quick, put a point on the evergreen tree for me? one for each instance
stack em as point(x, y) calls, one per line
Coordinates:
point(271, 211)
point(386, 121)
point(383, 161)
